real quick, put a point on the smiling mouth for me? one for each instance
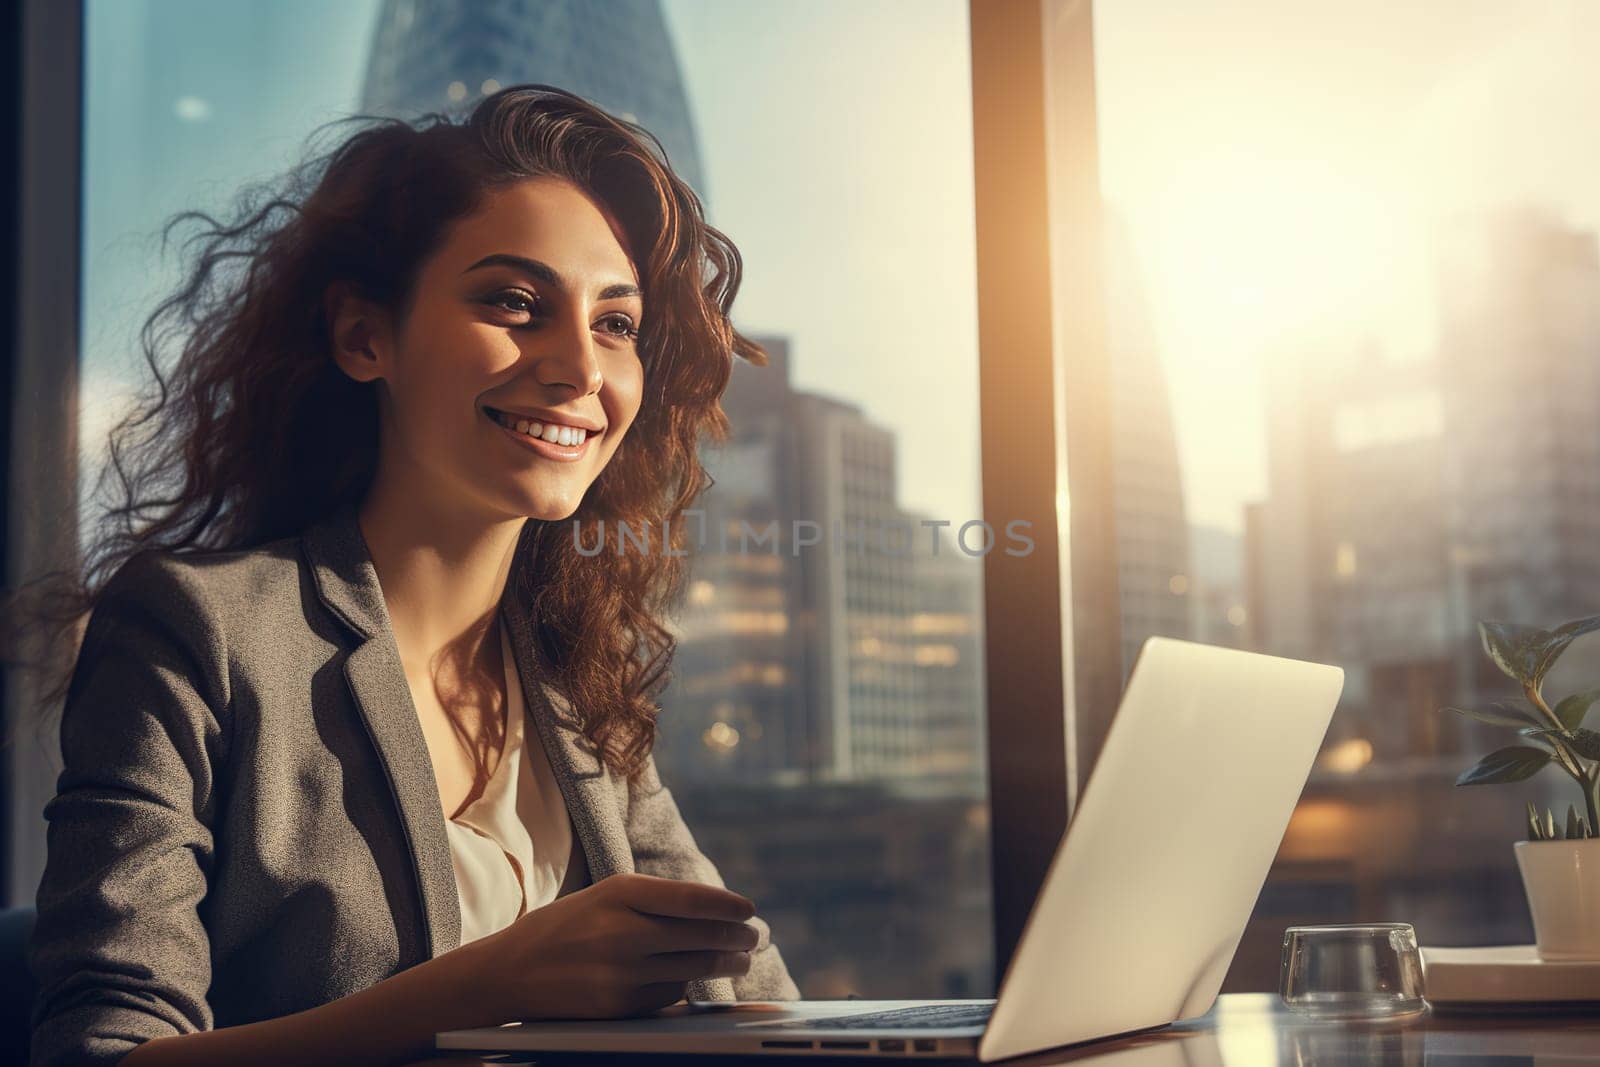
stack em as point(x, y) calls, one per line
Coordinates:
point(551, 433)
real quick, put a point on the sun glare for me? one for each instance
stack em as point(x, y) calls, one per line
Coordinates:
point(1248, 247)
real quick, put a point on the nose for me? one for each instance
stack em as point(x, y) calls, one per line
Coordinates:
point(569, 355)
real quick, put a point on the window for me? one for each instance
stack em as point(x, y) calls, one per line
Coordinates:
point(1353, 267)
point(823, 733)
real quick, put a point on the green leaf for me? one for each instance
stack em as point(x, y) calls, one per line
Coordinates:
point(1583, 825)
point(1562, 637)
point(1549, 825)
point(1526, 653)
point(1572, 710)
point(1511, 764)
point(1490, 717)
point(1533, 822)
point(1573, 833)
point(1545, 733)
point(1585, 743)
point(1514, 648)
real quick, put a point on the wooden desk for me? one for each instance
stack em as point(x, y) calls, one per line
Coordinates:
point(1246, 1030)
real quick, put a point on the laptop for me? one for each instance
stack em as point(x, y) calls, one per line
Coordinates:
point(1141, 909)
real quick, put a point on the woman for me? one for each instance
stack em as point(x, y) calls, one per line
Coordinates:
point(300, 819)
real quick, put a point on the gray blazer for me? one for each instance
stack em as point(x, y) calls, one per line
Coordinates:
point(247, 822)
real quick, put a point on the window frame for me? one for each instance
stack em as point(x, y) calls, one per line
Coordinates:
point(1052, 670)
point(41, 464)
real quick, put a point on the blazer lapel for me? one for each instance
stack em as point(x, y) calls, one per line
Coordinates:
point(347, 583)
point(588, 786)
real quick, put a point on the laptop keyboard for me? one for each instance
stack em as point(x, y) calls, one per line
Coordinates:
point(926, 1016)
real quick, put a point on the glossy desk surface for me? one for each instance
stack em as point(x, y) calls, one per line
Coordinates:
point(1254, 1030)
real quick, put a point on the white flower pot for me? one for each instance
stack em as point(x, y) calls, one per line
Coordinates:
point(1562, 879)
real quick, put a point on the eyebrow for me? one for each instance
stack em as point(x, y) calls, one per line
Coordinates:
point(546, 273)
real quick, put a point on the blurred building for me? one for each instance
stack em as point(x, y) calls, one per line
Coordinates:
point(1153, 565)
point(945, 639)
point(1407, 501)
point(1278, 531)
point(822, 638)
point(1519, 336)
point(856, 590)
point(1369, 589)
point(740, 706)
point(432, 55)
point(868, 892)
point(824, 725)
point(1219, 611)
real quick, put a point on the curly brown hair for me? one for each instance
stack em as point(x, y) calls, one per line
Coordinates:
point(230, 449)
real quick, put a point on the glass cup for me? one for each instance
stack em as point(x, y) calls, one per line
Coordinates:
point(1365, 971)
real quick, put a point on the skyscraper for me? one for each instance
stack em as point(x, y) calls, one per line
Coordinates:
point(1356, 536)
point(1519, 334)
point(430, 55)
point(1153, 565)
point(1409, 500)
point(739, 707)
point(818, 612)
point(945, 637)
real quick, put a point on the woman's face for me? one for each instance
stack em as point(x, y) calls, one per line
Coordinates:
point(525, 321)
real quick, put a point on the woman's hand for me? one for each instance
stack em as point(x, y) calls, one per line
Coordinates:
point(627, 945)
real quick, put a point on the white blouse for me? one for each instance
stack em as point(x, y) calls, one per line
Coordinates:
point(512, 844)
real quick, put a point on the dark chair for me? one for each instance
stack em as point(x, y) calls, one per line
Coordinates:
point(16, 984)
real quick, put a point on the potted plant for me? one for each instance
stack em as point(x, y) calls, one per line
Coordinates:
point(1560, 861)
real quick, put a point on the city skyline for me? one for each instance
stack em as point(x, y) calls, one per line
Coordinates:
point(1275, 212)
point(1248, 258)
point(1267, 207)
point(857, 312)
point(1409, 500)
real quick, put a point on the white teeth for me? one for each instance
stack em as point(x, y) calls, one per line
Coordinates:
point(562, 435)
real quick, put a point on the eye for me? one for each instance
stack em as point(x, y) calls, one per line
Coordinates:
point(617, 324)
point(502, 298)
point(628, 329)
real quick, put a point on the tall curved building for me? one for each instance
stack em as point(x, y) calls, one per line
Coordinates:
point(445, 55)
point(1152, 527)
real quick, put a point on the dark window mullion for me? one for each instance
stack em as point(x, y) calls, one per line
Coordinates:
point(1052, 621)
point(41, 498)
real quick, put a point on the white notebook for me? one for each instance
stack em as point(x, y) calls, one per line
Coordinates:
point(1506, 974)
